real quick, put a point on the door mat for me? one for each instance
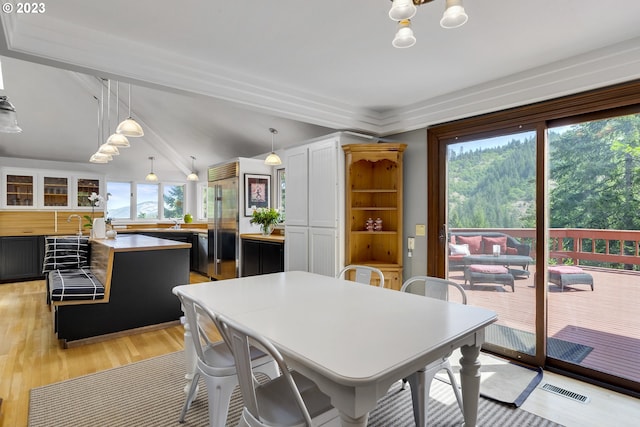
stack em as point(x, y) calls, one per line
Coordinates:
point(525, 342)
point(500, 379)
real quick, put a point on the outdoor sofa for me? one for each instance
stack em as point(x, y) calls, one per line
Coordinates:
point(464, 246)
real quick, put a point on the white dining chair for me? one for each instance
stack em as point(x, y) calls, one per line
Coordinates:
point(216, 363)
point(290, 400)
point(432, 287)
point(363, 274)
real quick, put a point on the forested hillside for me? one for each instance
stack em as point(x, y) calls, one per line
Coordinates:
point(594, 179)
point(493, 187)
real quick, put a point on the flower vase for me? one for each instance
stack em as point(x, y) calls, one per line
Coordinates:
point(267, 229)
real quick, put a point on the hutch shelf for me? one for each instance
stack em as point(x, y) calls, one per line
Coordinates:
point(374, 208)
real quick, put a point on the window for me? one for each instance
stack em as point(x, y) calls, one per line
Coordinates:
point(119, 200)
point(280, 191)
point(133, 201)
point(173, 201)
point(202, 201)
point(147, 201)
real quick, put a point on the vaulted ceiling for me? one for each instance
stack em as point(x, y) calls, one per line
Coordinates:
point(209, 77)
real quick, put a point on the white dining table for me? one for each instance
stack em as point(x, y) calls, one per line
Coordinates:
point(354, 341)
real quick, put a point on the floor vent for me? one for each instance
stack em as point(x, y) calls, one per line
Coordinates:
point(566, 393)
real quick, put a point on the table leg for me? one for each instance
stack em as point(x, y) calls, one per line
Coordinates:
point(470, 381)
point(348, 421)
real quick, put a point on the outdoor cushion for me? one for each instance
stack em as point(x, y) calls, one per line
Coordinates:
point(474, 242)
point(71, 285)
point(488, 243)
point(459, 249)
point(488, 269)
point(511, 251)
point(565, 269)
point(67, 252)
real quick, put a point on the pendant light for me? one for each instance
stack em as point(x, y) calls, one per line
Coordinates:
point(193, 176)
point(151, 177)
point(106, 148)
point(99, 157)
point(272, 159)
point(8, 117)
point(454, 15)
point(116, 139)
point(129, 127)
point(402, 9)
point(404, 37)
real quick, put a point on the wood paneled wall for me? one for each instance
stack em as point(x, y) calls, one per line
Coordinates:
point(39, 223)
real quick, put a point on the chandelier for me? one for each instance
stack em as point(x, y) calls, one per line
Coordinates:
point(403, 10)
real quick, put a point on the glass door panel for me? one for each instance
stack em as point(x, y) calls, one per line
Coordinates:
point(55, 191)
point(84, 189)
point(594, 265)
point(491, 194)
point(19, 190)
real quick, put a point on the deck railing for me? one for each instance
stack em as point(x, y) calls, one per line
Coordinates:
point(581, 244)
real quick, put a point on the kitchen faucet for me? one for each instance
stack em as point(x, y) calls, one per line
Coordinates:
point(79, 222)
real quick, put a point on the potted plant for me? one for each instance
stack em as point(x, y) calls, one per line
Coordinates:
point(96, 201)
point(267, 218)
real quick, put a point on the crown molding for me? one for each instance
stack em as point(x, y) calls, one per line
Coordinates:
point(53, 42)
point(599, 68)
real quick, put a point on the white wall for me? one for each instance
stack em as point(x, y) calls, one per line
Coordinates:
point(415, 199)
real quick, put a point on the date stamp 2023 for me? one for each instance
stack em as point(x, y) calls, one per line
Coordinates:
point(24, 8)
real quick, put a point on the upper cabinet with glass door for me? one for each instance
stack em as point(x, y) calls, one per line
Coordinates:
point(19, 189)
point(84, 188)
point(55, 191)
point(39, 189)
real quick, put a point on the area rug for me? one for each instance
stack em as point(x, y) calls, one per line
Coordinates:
point(500, 380)
point(150, 393)
point(525, 342)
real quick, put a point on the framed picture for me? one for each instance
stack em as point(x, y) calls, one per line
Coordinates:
point(257, 192)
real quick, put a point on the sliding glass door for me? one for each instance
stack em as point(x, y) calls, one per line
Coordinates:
point(490, 223)
point(560, 180)
point(594, 267)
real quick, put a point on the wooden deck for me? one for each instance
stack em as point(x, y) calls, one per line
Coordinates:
point(607, 319)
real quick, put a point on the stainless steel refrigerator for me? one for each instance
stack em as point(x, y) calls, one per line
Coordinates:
point(223, 214)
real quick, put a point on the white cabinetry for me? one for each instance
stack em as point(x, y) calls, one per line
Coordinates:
point(297, 178)
point(314, 226)
point(296, 248)
point(48, 189)
point(323, 183)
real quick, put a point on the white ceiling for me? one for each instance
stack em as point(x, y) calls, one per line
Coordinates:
point(210, 77)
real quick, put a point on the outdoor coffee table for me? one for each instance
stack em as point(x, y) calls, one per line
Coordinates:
point(504, 260)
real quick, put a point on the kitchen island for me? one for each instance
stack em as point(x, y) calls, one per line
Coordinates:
point(139, 273)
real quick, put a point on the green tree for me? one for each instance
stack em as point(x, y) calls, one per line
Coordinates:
point(174, 202)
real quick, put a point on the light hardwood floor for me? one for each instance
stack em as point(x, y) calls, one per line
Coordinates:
point(30, 357)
